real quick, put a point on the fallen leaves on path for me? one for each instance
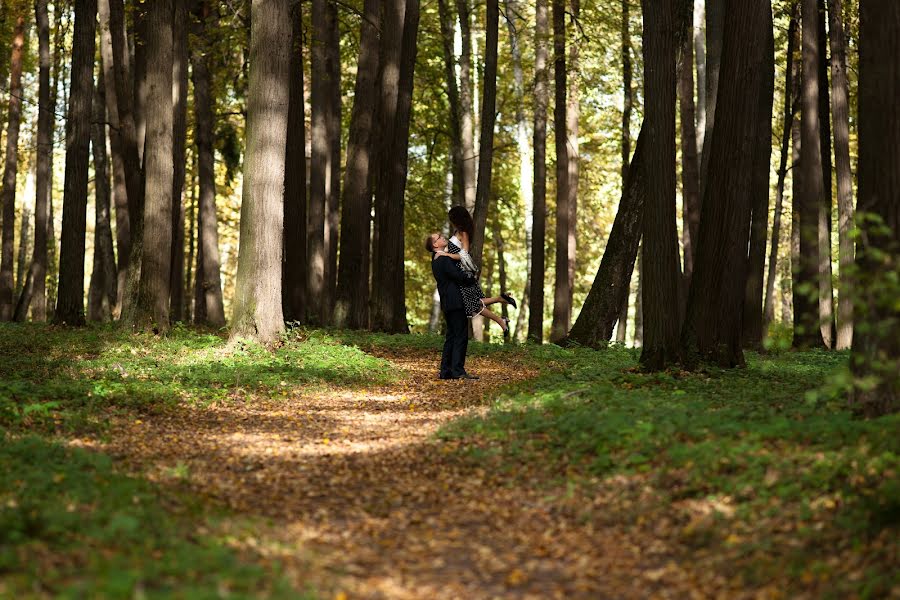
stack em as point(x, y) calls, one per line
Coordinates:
point(363, 502)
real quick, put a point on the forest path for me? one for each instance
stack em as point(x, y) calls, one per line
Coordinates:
point(359, 500)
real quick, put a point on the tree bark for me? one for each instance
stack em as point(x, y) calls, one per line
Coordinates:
point(151, 305)
point(700, 56)
point(752, 336)
point(790, 95)
point(561, 305)
point(10, 168)
point(24, 241)
point(628, 102)
point(712, 329)
point(609, 292)
point(690, 165)
point(876, 342)
point(139, 20)
point(70, 297)
point(572, 115)
point(466, 104)
point(841, 115)
point(102, 289)
point(208, 305)
point(538, 229)
point(807, 331)
point(826, 288)
point(388, 281)
point(660, 245)
point(332, 216)
point(352, 303)
point(639, 306)
point(179, 140)
point(715, 22)
point(257, 303)
point(294, 270)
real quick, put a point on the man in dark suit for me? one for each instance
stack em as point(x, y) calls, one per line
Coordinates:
point(449, 277)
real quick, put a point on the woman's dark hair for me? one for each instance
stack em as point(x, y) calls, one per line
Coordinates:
point(462, 220)
point(429, 243)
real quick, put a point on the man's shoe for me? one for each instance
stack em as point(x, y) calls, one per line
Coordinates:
point(467, 376)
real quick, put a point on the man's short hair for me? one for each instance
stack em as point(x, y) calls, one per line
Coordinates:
point(429, 243)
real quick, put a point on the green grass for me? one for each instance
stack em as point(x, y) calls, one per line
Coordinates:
point(773, 443)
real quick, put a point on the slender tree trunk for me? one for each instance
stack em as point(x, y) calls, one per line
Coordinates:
point(70, 298)
point(294, 270)
point(538, 229)
point(190, 272)
point(752, 336)
point(876, 342)
point(573, 111)
point(257, 303)
point(10, 168)
point(352, 305)
point(388, 286)
point(141, 88)
point(120, 190)
point(712, 329)
point(24, 241)
point(807, 332)
point(48, 287)
point(456, 150)
point(332, 216)
point(208, 306)
point(609, 292)
point(179, 140)
point(796, 195)
point(561, 305)
point(466, 104)
point(639, 305)
point(690, 165)
point(826, 288)
point(627, 104)
point(660, 246)
point(841, 115)
point(715, 22)
point(700, 56)
point(102, 290)
point(151, 305)
point(789, 109)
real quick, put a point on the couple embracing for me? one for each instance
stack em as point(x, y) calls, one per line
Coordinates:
point(461, 296)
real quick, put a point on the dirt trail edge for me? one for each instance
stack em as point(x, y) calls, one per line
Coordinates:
point(361, 501)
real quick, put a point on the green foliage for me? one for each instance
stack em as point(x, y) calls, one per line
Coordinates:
point(767, 441)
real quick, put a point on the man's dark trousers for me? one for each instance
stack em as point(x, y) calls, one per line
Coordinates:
point(453, 361)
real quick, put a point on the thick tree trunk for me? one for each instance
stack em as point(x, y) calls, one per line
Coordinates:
point(117, 158)
point(102, 289)
point(352, 304)
point(257, 303)
point(712, 329)
point(456, 151)
point(840, 107)
point(609, 293)
point(388, 284)
point(752, 336)
point(876, 342)
point(294, 270)
point(562, 307)
point(70, 298)
point(141, 88)
point(151, 306)
point(807, 332)
point(660, 246)
point(179, 139)
point(826, 288)
point(690, 165)
point(539, 226)
point(790, 94)
point(10, 168)
point(628, 102)
point(208, 306)
point(467, 104)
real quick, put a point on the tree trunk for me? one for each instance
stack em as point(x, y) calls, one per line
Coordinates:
point(179, 139)
point(700, 56)
point(36, 288)
point(456, 151)
point(715, 22)
point(208, 307)
point(712, 329)
point(257, 302)
point(538, 229)
point(352, 304)
point(154, 236)
point(50, 283)
point(790, 94)
point(388, 281)
point(639, 305)
point(70, 298)
point(841, 115)
point(807, 332)
point(466, 104)
point(690, 165)
point(120, 177)
point(512, 9)
point(332, 212)
point(139, 19)
point(573, 110)
point(10, 168)
point(876, 342)
point(609, 292)
point(660, 246)
point(190, 271)
point(826, 288)
point(628, 102)
point(294, 269)
point(24, 241)
point(102, 289)
point(562, 307)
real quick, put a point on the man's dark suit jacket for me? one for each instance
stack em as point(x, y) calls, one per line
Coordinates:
point(449, 277)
